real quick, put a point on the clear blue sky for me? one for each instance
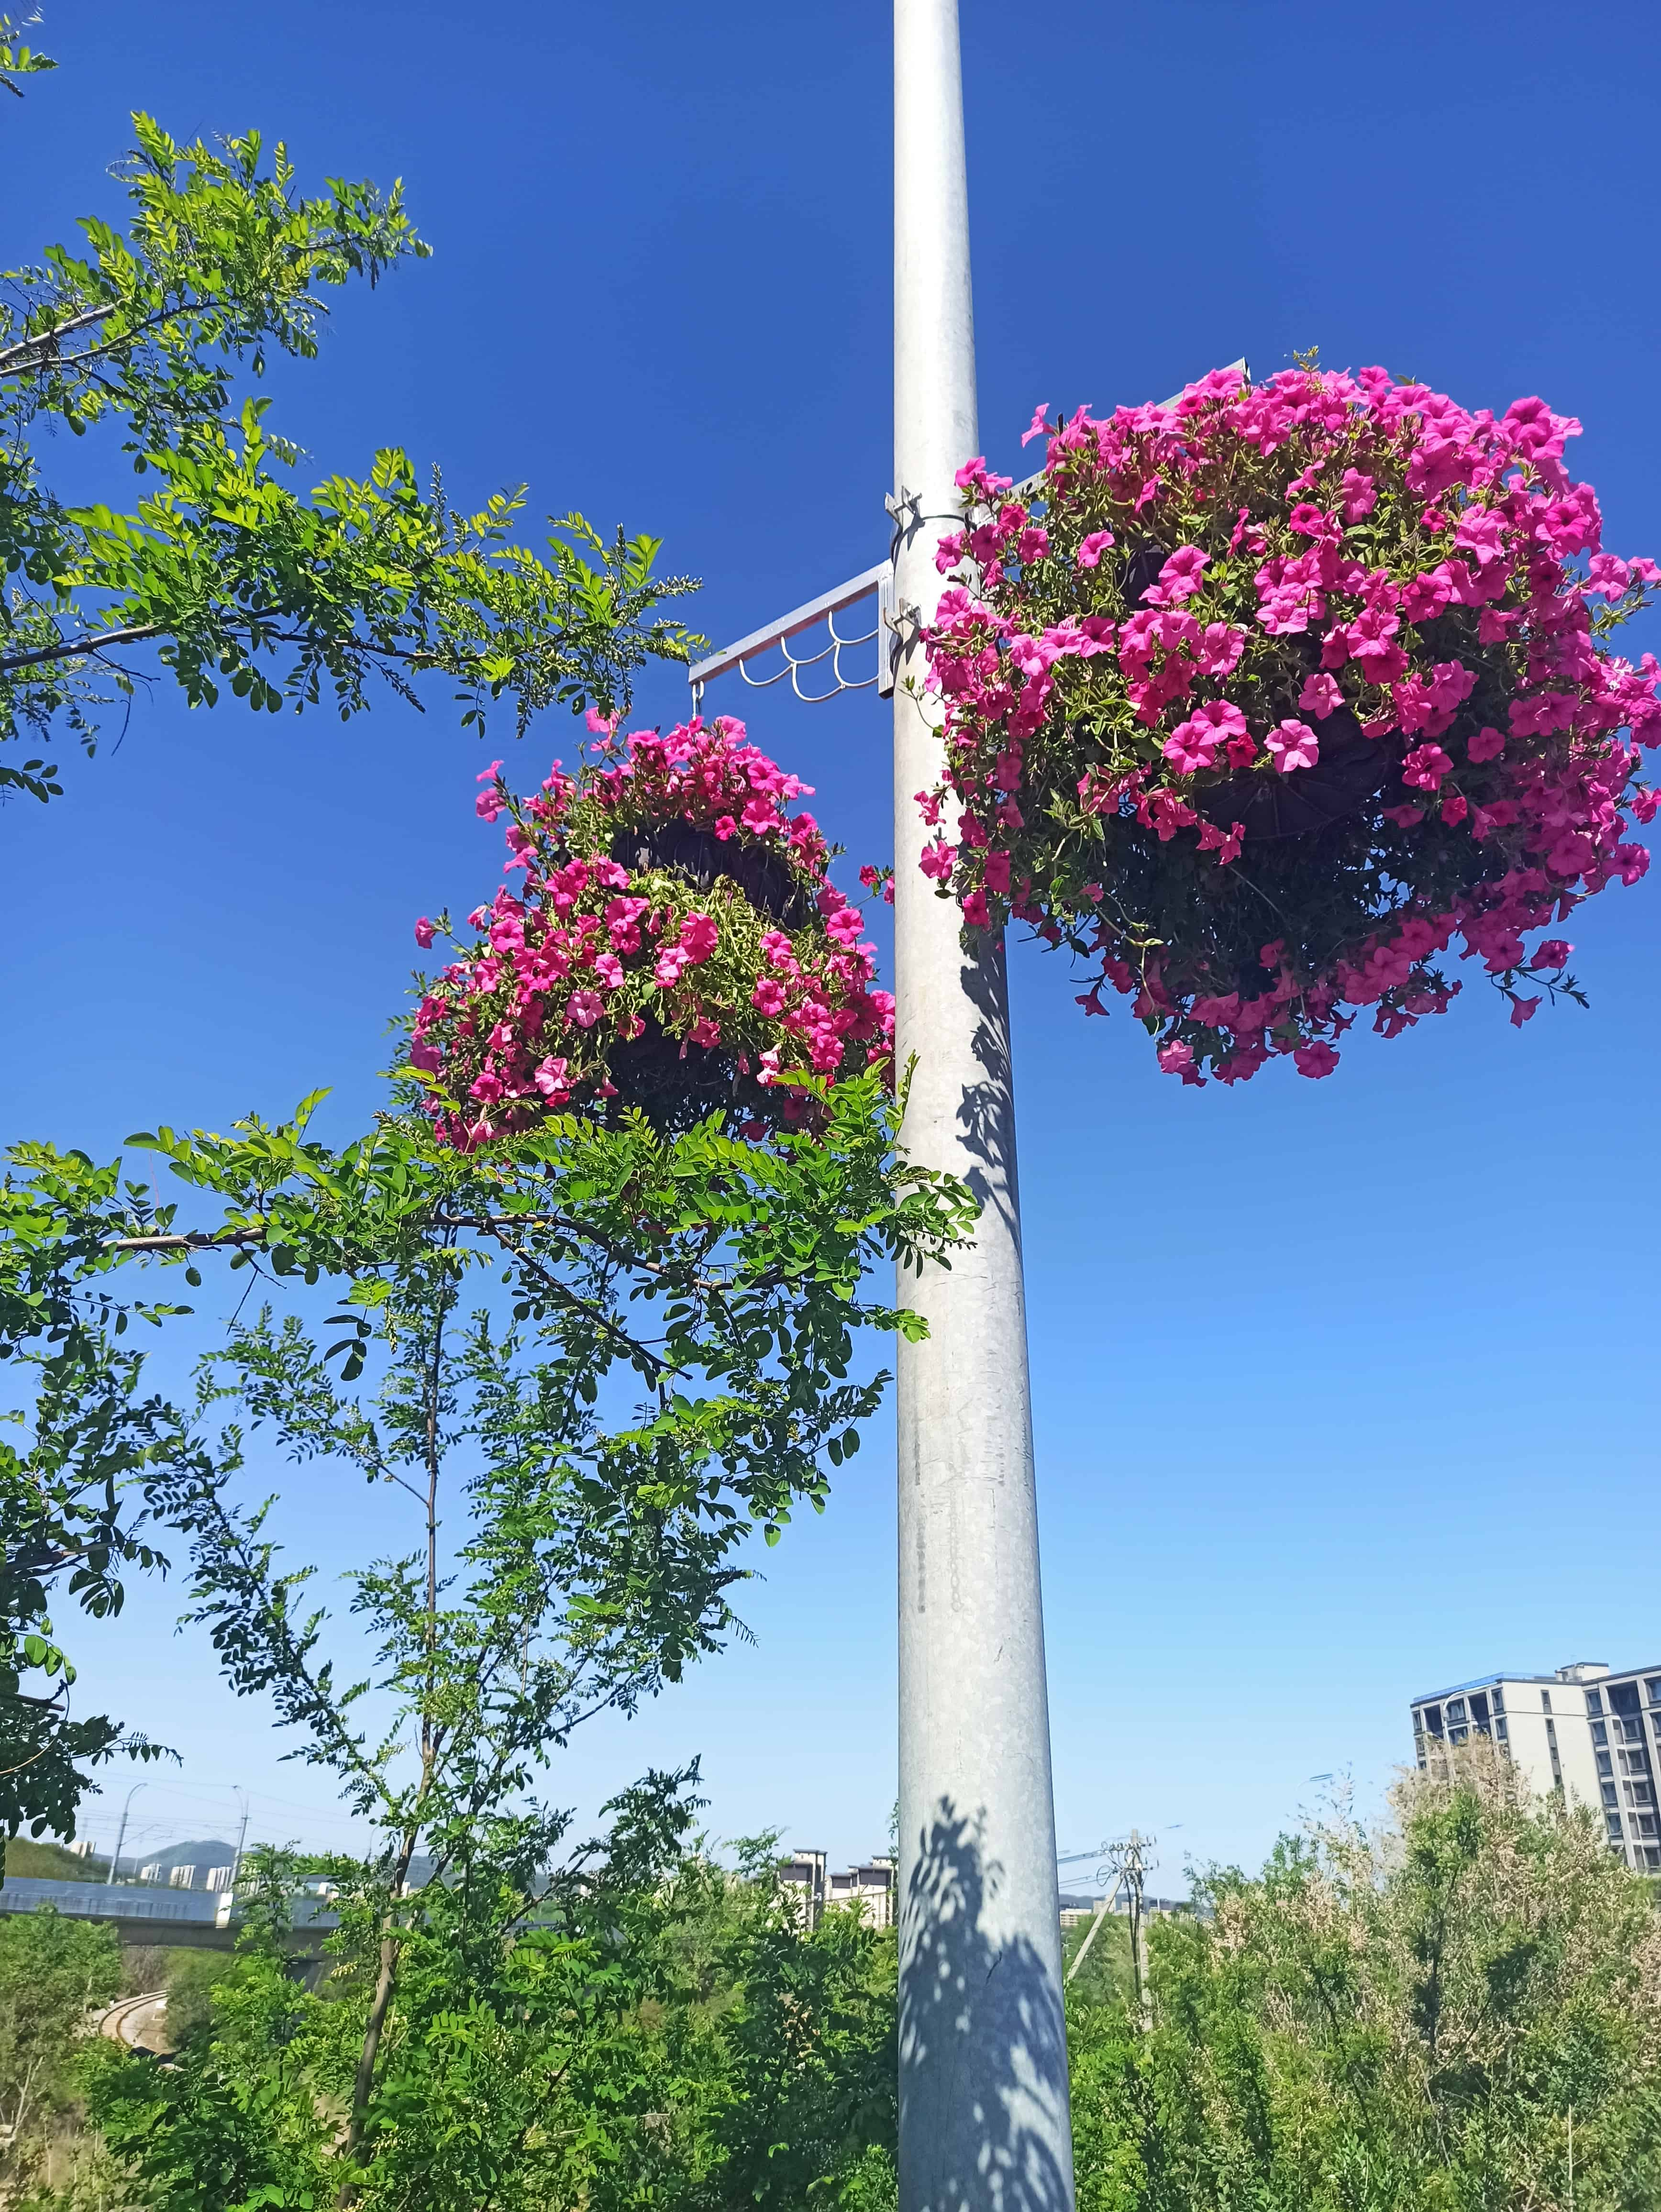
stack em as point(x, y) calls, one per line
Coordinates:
point(1344, 1390)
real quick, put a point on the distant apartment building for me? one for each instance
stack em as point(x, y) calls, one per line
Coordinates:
point(1586, 1731)
point(870, 1887)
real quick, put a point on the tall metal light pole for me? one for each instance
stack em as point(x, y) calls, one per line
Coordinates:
point(984, 2103)
point(121, 1832)
point(983, 2099)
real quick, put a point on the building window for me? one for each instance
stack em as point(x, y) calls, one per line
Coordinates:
point(1479, 1710)
point(1612, 1821)
point(1500, 1730)
point(1605, 1764)
point(1456, 1709)
point(1458, 1734)
point(1653, 1855)
point(1594, 1701)
point(1433, 1719)
point(1611, 1795)
point(1499, 1701)
point(1545, 1701)
point(1418, 1722)
point(1646, 1824)
point(1599, 1733)
point(1652, 1684)
point(1623, 1697)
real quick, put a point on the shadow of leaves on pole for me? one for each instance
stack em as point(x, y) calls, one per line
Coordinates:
point(986, 1118)
point(983, 2044)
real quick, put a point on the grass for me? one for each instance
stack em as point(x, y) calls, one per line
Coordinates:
point(51, 1863)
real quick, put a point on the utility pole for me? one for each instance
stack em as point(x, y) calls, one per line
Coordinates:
point(1095, 1930)
point(983, 2091)
point(242, 1839)
point(121, 1832)
point(1133, 1872)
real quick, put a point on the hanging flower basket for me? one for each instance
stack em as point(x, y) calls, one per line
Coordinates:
point(677, 947)
point(1264, 700)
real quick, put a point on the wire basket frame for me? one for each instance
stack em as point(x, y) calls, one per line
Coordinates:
point(816, 615)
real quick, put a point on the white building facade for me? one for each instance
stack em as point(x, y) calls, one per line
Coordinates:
point(869, 1888)
point(1587, 1730)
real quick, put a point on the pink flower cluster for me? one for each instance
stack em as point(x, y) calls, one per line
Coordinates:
point(1326, 653)
point(676, 944)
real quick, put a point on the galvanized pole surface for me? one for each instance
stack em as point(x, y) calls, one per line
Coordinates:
point(983, 2100)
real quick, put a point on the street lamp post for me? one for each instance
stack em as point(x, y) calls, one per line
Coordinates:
point(983, 2097)
point(984, 2125)
point(121, 1832)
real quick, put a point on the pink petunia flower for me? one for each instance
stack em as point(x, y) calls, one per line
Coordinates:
point(1178, 1059)
point(1316, 1059)
point(1360, 495)
point(1293, 745)
point(699, 937)
point(1320, 695)
point(1425, 767)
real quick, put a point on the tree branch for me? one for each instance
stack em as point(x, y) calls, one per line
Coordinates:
point(14, 356)
point(631, 1346)
point(80, 648)
point(194, 1240)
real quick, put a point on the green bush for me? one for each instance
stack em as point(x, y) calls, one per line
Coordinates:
point(1417, 2020)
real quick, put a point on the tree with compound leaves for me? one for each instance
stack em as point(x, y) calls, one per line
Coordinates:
point(588, 1361)
point(222, 574)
